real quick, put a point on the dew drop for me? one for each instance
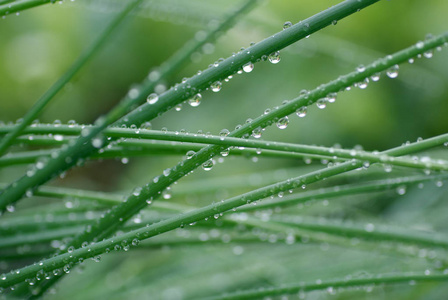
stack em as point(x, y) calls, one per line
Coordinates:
point(195, 100)
point(393, 72)
point(248, 67)
point(208, 165)
point(301, 112)
point(375, 77)
point(321, 103)
point(286, 25)
point(428, 54)
point(363, 84)
point(282, 123)
point(216, 86)
point(361, 68)
point(420, 45)
point(152, 98)
point(190, 154)
point(274, 57)
point(224, 132)
point(331, 98)
point(256, 133)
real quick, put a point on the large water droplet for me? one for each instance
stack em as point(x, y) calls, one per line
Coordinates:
point(321, 103)
point(274, 57)
point(256, 133)
point(208, 165)
point(152, 98)
point(301, 112)
point(195, 100)
point(282, 123)
point(248, 67)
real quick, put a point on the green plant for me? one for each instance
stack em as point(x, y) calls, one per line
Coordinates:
point(151, 217)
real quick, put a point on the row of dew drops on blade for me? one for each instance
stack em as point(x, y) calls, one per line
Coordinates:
point(195, 101)
point(281, 123)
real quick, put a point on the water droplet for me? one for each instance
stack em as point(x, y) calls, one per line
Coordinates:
point(420, 45)
point(256, 133)
point(363, 84)
point(286, 25)
point(401, 190)
point(167, 193)
point(393, 72)
point(274, 57)
point(375, 77)
point(167, 172)
point(282, 123)
point(224, 132)
point(411, 60)
point(361, 68)
point(136, 192)
point(195, 100)
point(216, 86)
point(152, 98)
point(331, 98)
point(97, 142)
point(208, 165)
point(248, 67)
point(321, 103)
point(428, 54)
point(178, 107)
point(301, 112)
point(190, 154)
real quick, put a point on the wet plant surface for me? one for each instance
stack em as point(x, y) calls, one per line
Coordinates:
point(126, 172)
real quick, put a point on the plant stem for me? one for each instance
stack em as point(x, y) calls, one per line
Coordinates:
point(302, 287)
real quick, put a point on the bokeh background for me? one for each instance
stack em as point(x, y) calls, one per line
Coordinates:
point(38, 45)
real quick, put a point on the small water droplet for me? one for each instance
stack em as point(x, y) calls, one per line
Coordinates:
point(393, 72)
point(361, 68)
point(190, 154)
point(363, 84)
point(224, 132)
point(419, 45)
point(216, 86)
point(286, 25)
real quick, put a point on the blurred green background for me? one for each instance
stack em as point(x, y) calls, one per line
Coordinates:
point(37, 47)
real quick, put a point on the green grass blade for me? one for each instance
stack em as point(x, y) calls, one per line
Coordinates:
point(402, 278)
